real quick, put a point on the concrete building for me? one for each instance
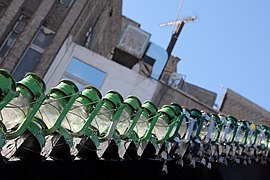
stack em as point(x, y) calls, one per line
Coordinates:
point(86, 67)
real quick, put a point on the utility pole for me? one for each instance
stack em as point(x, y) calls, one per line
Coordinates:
point(180, 24)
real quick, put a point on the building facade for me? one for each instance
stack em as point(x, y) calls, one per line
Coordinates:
point(32, 32)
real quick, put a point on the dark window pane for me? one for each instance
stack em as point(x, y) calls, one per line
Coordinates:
point(86, 72)
point(18, 27)
point(27, 64)
point(66, 2)
point(2, 9)
point(20, 24)
point(43, 39)
point(8, 43)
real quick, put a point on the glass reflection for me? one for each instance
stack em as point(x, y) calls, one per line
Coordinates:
point(241, 135)
point(124, 122)
point(102, 121)
point(160, 129)
point(76, 117)
point(224, 127)
point(204, 130)
point(215, 131)
point(229, 134)
point(183, 128)
point(50, 111)
point(14, 113)
point(141, 126)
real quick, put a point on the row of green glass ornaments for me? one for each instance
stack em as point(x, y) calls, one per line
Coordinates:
point(24, 106)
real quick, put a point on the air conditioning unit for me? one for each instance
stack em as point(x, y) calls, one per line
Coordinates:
point(134, 41)
point(131, 46)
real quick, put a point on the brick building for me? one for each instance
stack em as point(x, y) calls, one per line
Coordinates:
point(242, 108)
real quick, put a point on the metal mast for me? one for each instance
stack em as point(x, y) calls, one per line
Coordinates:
point(180, 24)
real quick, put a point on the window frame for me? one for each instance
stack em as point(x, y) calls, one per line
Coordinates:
point(67, 5)
point(34, 47)
point(3, 7)
point(12, 31)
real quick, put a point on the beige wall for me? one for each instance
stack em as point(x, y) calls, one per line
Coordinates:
point(118, 77)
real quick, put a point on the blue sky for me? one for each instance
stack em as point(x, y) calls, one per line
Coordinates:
point(226, 47)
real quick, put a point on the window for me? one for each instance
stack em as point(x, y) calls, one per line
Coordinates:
point(33, 54)
point(67, 3)
point(84, 74)
point(12, 36)
point(2, 9)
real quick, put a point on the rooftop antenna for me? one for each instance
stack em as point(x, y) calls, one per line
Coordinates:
point(179, 24)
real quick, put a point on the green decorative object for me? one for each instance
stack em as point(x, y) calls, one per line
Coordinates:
point(129, 116)
point(57, 104)
point(241, 133)
point(106, 119)
point(217, 126)
point(181, 128)
point(19, 111)
point(88, 122)
point(79, 116)
point(7, 88)
point(165, 125)
point(146, 121)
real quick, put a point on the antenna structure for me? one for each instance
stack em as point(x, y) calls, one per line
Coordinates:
point(179, 24)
